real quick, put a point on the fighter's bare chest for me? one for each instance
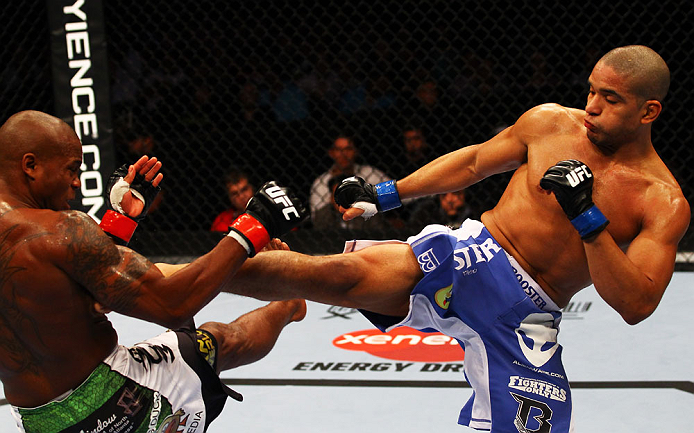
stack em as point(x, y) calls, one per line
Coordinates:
point(618, 190)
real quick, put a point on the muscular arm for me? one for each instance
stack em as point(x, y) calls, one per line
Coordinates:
point(124, 281)
point(633, 283)
point(468, 165)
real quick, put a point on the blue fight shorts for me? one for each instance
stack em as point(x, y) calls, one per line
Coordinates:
point(475, 292)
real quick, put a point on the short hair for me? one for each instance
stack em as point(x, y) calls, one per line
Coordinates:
point(347, 137)
point(234, 175)
point(647, 72)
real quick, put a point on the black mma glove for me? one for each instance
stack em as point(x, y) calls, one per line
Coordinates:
point(571, 181)
point(271, 212)
point(355, 192)
point(115, 222)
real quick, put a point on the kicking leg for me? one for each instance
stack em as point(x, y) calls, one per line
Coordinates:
point(379, 278)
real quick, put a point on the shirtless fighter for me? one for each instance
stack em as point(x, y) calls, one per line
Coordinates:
point(590, 202)
point(60, 363)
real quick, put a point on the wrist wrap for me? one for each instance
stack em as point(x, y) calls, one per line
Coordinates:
point(118, 226)
point(252, 231)
point(387, 195)
point(590, 222)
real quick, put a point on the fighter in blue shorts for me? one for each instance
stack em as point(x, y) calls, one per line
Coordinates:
point(475, 292)
point(589, 202)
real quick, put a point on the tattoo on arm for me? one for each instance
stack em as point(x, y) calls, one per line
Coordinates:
point(111, 273)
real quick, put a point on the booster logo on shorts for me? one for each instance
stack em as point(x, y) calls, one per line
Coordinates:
point(276, 193)
point(525, 404)
point(473, 253)
point(428, 261)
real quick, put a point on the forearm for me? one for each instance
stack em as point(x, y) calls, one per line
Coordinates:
point(619, 281)
point(171, 294)
point(450, 172)
point(203, 278)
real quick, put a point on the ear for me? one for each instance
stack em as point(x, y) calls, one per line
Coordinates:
point(29, 165)
point(651, 111)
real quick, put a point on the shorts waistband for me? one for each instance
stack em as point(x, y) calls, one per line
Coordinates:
point(530, 287)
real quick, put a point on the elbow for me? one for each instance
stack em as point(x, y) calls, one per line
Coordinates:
point(633, 319)
point(637, 315)
point(174, 319)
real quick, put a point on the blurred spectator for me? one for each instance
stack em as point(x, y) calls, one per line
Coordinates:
point(329, 216)
point(449, 209)
point(430, 107)
point(344, 153)
point(291, 103)
point(138, 144)
point(414, 152)
point(239, 190)
point(252, 111)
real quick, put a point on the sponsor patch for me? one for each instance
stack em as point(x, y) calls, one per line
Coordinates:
point(443, 297)
point(538, 422)
point(428, 261)
point(535, 334)
point(538, 387)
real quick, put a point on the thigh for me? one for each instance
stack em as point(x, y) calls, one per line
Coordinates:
point(384, 277)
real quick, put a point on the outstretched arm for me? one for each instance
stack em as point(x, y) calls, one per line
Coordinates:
point(456, 170)
point(124, 281)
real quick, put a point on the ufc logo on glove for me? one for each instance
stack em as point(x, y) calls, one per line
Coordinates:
point(280, 197)
point(577, 175)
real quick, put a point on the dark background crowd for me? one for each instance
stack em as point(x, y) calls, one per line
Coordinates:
point(267, 87)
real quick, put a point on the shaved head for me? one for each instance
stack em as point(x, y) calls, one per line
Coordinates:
point(35, 132)
point(647, 73)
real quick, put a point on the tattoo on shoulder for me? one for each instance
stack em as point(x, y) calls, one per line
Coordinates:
point(110, 272)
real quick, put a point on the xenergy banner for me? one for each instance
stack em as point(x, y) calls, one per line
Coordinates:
point(81, 89)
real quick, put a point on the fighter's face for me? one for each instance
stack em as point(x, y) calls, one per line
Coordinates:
point(613, 111)
point(59, 180)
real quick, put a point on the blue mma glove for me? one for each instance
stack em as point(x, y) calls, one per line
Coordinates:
point(355, 192)
point(571, 181)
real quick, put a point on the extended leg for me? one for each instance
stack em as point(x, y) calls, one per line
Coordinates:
point(378, 278)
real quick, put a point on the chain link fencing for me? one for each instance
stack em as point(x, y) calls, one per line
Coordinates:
point(267, 87)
